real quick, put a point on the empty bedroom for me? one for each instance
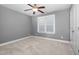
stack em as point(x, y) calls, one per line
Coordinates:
point(39, 29)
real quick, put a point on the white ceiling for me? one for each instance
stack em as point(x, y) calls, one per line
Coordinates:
point(48, 8)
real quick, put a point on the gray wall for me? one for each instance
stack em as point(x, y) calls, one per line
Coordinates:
point(13, 25)
point(61, 26)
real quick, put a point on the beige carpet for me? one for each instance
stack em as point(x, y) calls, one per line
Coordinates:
point(36, 46)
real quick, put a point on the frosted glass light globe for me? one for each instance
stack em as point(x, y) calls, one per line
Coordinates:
point(35, 9)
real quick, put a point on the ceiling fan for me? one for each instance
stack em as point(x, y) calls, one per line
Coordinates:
point(35, 8)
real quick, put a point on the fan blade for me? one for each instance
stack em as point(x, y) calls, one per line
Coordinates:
point(30, 5)
point(41, 7)
point(40, 11)
point(27, 9)
point(33, 12)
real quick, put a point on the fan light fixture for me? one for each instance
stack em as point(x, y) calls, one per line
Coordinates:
point(35, 9)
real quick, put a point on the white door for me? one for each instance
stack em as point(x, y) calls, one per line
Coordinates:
point(74, 33)
point(77, 29)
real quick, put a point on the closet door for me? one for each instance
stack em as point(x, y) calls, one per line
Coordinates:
point(74, 32)
point(77, 29)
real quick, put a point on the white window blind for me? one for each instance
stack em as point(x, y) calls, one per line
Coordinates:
point(46, 24)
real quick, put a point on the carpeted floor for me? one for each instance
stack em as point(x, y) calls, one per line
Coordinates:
point(36, 46)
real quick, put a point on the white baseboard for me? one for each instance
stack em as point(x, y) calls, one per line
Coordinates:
point(13, 41)
point(63, 41)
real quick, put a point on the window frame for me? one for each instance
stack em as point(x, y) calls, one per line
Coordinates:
point(45, 30)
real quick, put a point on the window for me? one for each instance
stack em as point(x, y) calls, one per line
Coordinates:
point(46, 24)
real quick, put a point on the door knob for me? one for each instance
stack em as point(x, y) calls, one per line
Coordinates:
point(72, 30)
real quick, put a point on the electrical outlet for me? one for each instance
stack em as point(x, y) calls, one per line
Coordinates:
point(61, 37)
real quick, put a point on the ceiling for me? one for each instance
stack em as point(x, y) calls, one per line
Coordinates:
point(48, 8)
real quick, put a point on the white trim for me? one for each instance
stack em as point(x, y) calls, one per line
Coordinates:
point(13, 41)
point(63, 41)
point(33, 36)
point(45, 25)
